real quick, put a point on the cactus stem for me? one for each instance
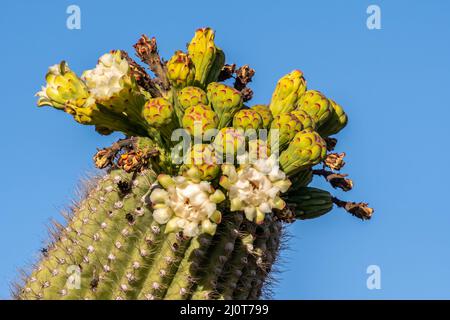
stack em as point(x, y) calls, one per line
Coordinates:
point(184, 279)
point(235, 267)
point(102, 231)
point(254, 274)
point(259, 254)
point(121, 250)
point(221, 252)
point(64, 252)
point(141, 260)
point(164, 267)
point(140, 263)
point(264, 261)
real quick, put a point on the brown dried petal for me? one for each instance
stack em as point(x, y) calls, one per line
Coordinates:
point(227, 72)
point(339, 181)
point(335, 161)
point(103, 158)
point(360, 210)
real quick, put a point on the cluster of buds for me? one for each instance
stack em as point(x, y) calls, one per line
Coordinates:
point(257, 159)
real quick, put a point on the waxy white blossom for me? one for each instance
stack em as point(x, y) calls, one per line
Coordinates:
point(188, 206)
point(255, 187)
point(106, 78)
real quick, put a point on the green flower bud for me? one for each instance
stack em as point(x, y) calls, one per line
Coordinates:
point(287, 125)
point(198, 119)
point(289, 88)
point(265, 113)
point(336, 122)
point(207, 58)
point(306, 120)
point(247, 119)
point(316, 105)
point(158, 112)
point(305, 150)
point(229, 143)
point(202, 158)
point(180, 70)
point(191, 96)
point(160, 116)
point(225, 101)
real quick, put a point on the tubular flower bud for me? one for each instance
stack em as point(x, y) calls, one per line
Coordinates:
point(229, 143)
point(198, 119)
point(306, 120)
point(316, 105)
point(283, 129)
point(191, 96)
point(310, 203)
point(160, 116)
point(158, 112)
point(337, 121)
point(305, 150)
point(201, 162)
point(247, 119)
point(266, 116)
point(225, 101)
point(180, 70)
point(207, 58)
point(288, 90)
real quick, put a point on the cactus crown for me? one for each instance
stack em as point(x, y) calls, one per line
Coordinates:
point(199, 218)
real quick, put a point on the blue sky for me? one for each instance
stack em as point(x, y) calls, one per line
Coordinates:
point(392, 82)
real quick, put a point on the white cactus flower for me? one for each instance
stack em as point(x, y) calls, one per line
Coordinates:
point(106, 78)
point(255, 187)
point(187, 206)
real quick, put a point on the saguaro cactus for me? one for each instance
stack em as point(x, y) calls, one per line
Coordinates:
point(202, 219)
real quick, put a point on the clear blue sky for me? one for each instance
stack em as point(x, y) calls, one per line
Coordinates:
point(392, 82)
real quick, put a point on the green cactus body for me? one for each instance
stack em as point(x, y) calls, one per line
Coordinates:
point(119, 252)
